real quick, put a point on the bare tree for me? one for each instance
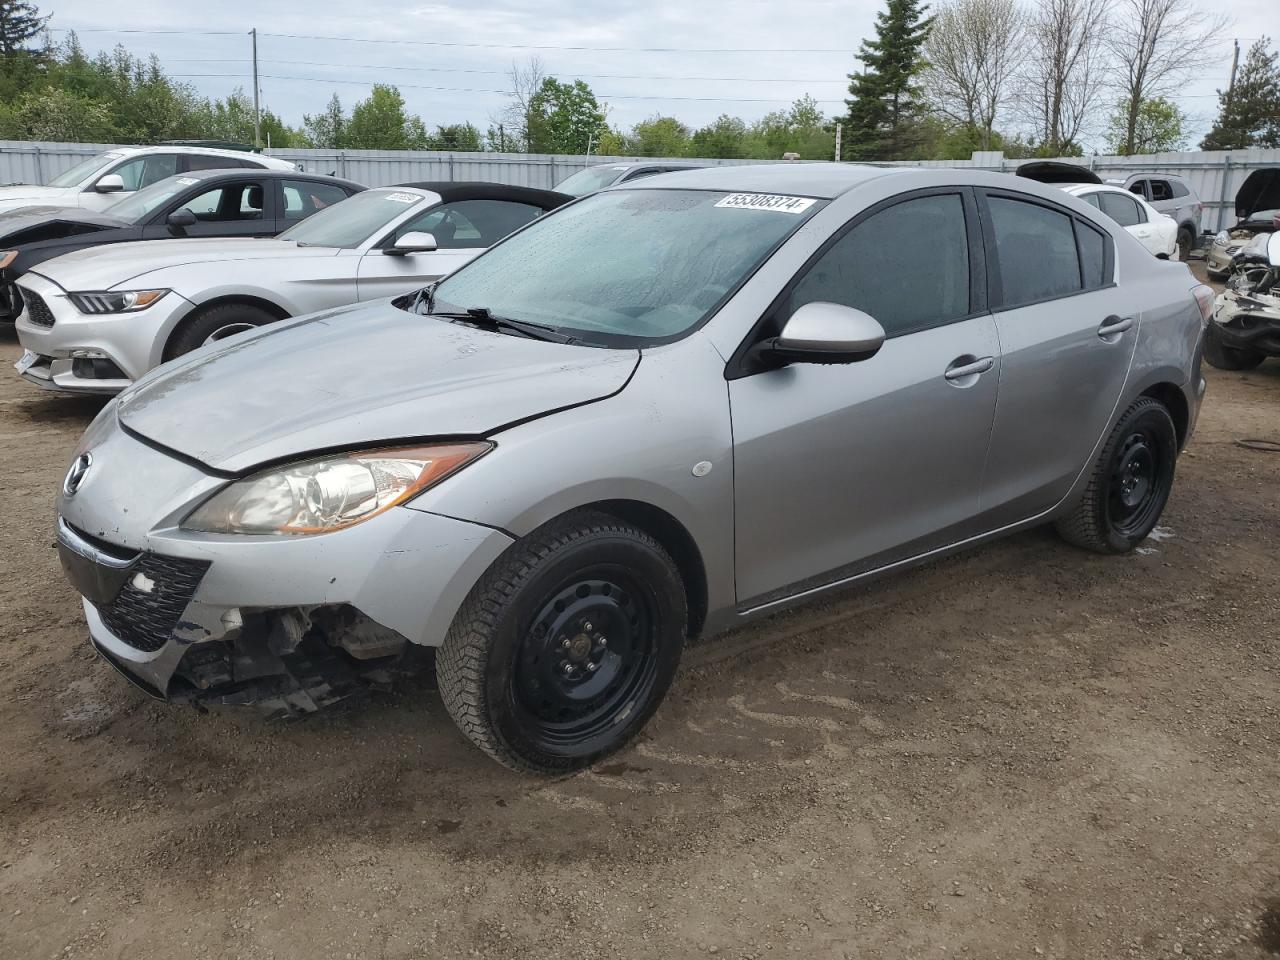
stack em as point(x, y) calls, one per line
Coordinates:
point(1064, 71)
point(524, 79)
point(971, 53)
point(1155, 44)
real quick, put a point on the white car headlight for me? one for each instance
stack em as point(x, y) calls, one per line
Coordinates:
point(115, 301)
point(1221, 238)
point(332, 492)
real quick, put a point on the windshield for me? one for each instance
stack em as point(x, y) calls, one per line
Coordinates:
point(626, 266)
point(351, 222)
point(83, 170)
point(590, 180)
point(138, 205)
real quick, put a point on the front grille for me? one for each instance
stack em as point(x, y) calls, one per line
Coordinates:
point(145, 620)
point(38, 311)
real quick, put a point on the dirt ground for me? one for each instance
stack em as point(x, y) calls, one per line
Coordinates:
point(1023, 751)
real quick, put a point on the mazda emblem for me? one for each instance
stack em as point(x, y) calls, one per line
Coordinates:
point(76, 474)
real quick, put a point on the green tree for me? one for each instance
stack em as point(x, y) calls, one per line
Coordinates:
point(1249, 114)
point(802, 130)
point(1158, 125)
point(884, 99)
point(19, 23)
point(456, 136)
point(657, 136)
point(564, 118)
point(379, 122)
point(724, 138)
point(327, 130)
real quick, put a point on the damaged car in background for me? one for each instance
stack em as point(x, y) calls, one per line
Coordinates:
point(1246, 316)
point(664, 410)
point(1257, 209)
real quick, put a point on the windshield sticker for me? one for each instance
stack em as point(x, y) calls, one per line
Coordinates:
point(187, 181)
point(403, 197)
point(767, 201)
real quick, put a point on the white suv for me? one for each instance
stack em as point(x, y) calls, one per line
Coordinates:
point(100, 181)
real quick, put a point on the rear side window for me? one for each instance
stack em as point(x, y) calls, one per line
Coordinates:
point(1180, 189)
point(302, 198)
point(205, 161)
point(1121, 209)
point(858, 268)
point(1036, 251)
point(1093, 256)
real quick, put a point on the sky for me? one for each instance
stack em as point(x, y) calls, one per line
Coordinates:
point(693, 59)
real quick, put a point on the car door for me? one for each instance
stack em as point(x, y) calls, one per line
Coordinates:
point(461, 228)
point(239, 208)
point(1066, 342)
point(843, 468)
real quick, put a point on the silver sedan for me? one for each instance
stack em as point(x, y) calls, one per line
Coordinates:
point(662, 411)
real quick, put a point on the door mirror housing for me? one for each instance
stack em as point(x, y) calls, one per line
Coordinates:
point(109, 183)
point(822, 332)
point(413, 242)
point(180, 219)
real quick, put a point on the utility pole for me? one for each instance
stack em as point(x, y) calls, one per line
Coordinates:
point(257, 113)
point(839, 131)
point(1235, 62)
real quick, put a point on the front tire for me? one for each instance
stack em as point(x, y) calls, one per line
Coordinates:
point(564, 649)
point(1130, 485)
point(1229, 358)
point(213, 324)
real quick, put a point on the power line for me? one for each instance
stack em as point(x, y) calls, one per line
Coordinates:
point(451, 43)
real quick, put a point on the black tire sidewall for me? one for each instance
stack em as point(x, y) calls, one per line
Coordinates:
point(192, 332)
point(650, 570)
point(1154, 417)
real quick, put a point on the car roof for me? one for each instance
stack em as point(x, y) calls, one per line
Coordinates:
point(269, 173)
point(823, 180)
point(480, 190)
point(278, 163)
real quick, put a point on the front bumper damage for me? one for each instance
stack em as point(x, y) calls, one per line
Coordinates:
point(1247, 318)
point(288, 623)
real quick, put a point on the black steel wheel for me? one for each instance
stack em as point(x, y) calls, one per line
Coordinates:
point(1130, 483)
point(566, 646)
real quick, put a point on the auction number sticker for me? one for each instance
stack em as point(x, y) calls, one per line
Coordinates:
point(767, 201)
point(403, 197)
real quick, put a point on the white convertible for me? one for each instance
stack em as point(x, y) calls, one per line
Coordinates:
point(96, 320)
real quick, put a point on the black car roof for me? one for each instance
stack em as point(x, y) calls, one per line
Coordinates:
point(450, 191)
point(239, 173)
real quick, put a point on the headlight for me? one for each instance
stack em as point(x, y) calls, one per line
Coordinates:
point(1221, 238)
point(330, 493)
point(112, 301)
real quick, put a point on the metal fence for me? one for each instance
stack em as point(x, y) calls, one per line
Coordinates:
point(1214, 175)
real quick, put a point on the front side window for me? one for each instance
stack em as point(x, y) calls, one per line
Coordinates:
point(1160, 190)
point(858, 270)
point(627, 267)
point(236, 201)
point(1138, 187)
point(468, 224)
point(144, 171)
point(355, 220)
point(146, 201)
point(1036, 251)
point(1121, 209)
point(302, 198)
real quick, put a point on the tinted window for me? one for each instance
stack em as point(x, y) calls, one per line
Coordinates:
point(856, 270)
point(1179, 188)
point(1138, 188)
point(466, 224)
point(1036, 250)
point(203, 161)
point(1093, 255)
point(1121, 209)
point(1160, 190)
point(302, 198)
point(145, 171)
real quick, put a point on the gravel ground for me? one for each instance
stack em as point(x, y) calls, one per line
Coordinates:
point(1023, 751)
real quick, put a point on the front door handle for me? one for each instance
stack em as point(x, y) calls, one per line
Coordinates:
point(1113, 326)
point(964, 367)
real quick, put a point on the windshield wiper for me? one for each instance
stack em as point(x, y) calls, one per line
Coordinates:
point(485, 319)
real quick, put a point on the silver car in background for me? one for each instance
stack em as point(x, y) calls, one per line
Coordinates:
point(662, 411)
point(96, 320)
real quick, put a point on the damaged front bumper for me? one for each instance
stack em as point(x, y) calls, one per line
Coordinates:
point(1248, 321)
point(288, 622)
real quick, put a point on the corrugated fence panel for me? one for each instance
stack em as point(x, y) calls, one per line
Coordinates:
point(1215, 175)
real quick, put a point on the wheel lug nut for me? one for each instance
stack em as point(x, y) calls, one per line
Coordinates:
point(592, 667)
point(565, 643)
point(602, 641)
point(586, 626)
point(567, 667)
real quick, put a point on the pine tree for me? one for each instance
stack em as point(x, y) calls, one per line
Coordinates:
point(884, 107)
point(19, 22)
point(1249, 114)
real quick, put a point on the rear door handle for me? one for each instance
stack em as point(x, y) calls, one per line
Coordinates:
point(1113, 326)
point(963, 367)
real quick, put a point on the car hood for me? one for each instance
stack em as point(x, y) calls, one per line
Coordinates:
point(33, 224)
point(1260, 191)
point(101, 268)
point(26, 195)
point(364, 375)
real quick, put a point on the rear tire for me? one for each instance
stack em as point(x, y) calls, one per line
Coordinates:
point(215, 323)
point(566, 646)
point(1229, 358)
point(1186, 242)
point(1130, 485)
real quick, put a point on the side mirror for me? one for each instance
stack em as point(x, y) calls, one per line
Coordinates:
point(414, 242)
point(826, 333)
point(180, 219)
point(109, 183)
